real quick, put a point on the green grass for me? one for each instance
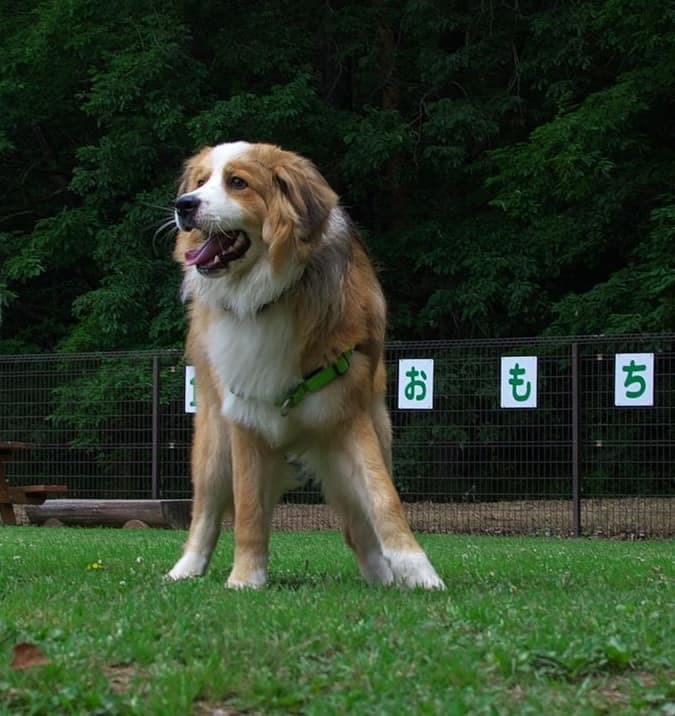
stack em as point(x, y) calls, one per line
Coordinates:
point(527, 626)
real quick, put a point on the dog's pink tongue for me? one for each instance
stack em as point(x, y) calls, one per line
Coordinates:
point(205, 253)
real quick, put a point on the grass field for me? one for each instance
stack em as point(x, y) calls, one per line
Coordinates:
point(527, 626)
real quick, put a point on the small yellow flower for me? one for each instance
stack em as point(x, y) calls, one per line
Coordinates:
point(98, 564)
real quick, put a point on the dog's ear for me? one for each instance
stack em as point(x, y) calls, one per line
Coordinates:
point(299, 207)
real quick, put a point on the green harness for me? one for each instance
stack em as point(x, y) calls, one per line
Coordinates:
point(315, 381)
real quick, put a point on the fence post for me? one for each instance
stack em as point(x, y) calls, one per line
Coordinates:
point(576, 476)
point(155, 427)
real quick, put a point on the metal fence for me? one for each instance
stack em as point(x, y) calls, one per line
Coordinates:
point(114, 426)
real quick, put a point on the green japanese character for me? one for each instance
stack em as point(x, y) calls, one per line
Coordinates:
point(516, 381)
point(632, 379)
point(415, 384)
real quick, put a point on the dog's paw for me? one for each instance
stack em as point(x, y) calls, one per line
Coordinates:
point(413, 570)
point(375, 569)
point(189, 565)
point(431, 582)
point(256, 579)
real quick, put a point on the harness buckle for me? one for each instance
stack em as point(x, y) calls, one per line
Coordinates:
point(341, 365)
point(286, 406)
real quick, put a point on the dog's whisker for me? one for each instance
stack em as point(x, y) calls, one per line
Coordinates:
point(161, 207)
point(169, 224)
point(162, 232)
point(166, 223)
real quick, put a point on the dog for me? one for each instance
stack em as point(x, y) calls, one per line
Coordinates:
point(286, 334)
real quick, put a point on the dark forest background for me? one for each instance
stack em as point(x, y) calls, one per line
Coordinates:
point(511, 164)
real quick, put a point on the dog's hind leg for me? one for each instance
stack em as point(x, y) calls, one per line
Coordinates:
point(382, 425)
point(212, 481)
point(357, 483)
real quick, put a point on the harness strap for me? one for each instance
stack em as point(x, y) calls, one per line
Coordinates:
point(315, 381)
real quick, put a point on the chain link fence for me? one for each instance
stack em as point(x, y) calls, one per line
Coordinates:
point(114, 426)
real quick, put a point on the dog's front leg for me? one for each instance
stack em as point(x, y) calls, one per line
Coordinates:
point(212, 480)
point(256, 490)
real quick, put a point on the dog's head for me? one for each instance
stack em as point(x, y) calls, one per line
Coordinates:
point(249, 210)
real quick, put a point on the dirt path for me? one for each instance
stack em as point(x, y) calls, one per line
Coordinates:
point(629, 518)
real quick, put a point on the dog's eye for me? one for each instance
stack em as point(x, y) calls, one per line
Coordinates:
point(237, 182)
point(201, 182)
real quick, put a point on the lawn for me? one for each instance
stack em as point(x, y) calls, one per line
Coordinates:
point(527, 626)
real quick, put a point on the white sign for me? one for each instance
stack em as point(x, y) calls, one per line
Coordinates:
point(519, 382)
point(634, 379)
point(416, 384)
point(190, 392)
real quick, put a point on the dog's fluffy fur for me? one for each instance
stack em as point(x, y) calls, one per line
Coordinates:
point(279, 285)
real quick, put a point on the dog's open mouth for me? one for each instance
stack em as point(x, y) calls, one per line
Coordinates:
point(218, 251)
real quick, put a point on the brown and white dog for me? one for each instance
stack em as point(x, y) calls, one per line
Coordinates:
point(280, 286)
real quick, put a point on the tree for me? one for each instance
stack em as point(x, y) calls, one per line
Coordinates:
point(511, 165)
point(592, 187)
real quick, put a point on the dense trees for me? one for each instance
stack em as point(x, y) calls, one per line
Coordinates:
point(512, 163)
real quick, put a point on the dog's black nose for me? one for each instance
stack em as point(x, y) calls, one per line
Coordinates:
point(186, 210)
point(186, 205)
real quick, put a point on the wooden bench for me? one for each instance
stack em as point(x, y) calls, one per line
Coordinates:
point(29, 495)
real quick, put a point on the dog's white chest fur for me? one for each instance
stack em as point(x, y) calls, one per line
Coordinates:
point(256, 360)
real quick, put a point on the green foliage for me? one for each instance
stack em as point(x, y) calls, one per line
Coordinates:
point(602, 170)
point(512, 164)
point(94, 402)
point(634, 299)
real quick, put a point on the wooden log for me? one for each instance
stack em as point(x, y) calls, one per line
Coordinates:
point(174, 514)
point(53, 522)
point(135, 525)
